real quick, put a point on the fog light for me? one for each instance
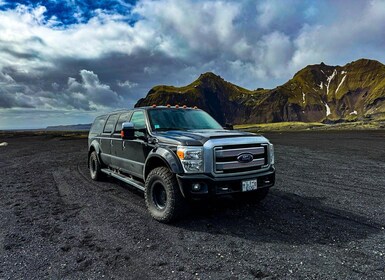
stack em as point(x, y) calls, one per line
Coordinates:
point(196, 187)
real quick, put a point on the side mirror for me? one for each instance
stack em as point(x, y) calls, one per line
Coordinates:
point(228, 126)
point(128, 131)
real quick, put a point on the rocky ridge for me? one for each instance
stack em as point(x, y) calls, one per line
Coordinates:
point(317, 93)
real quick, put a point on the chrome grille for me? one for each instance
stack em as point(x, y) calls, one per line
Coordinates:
point(226, 158)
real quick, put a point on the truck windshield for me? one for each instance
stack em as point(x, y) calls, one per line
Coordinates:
point(181, 119)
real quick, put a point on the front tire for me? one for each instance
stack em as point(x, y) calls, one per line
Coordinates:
point(95, 167)
point(163, 198)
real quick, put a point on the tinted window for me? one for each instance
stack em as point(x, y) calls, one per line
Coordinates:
point(139, 122)
point(110, 124)
point(124, 117)
point(97, 126)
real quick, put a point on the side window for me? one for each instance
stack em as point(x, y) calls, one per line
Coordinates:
point(97, 126)
point(110, 124)
point(124, 117)
point(139, 122)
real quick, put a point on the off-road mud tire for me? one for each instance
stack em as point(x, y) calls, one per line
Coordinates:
point(163, 198)
point(95, 167)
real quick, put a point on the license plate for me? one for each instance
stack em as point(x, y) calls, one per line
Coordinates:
point(249, 185)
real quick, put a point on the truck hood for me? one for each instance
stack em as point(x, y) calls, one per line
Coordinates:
point(197, 137)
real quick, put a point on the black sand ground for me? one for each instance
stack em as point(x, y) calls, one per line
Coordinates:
point(324, 219)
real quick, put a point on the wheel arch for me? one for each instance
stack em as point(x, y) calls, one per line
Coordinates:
point(93, 147)
point(162, 157)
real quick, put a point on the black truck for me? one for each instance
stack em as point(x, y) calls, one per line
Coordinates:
point(176, 154)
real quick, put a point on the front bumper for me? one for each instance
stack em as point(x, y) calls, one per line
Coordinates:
point(211, 186)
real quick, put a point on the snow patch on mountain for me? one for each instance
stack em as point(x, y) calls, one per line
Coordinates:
point(342, 81)
point(328, 112)
point(329, 79)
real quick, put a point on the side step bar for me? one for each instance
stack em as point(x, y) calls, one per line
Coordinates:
point(123, 178)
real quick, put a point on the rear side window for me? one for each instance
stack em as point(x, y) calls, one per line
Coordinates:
point(124, 117)
point(97, 126)
point(110, 124)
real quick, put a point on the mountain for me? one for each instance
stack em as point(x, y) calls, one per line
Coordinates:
point(317, 93)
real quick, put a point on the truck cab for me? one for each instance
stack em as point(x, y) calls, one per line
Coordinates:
point(176, 154)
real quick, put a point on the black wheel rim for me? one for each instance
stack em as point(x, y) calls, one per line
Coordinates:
point(159, 195)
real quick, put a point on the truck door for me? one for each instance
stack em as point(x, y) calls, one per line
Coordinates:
point(116, 148)
point(134, 152)
point(106, 139)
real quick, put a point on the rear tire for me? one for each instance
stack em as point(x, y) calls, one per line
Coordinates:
point(163, 198)
point(95, 167)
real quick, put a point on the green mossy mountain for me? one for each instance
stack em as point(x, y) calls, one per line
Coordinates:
point(317, 93)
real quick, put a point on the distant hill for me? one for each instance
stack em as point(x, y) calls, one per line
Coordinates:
point(75, 127)
point(317, 93)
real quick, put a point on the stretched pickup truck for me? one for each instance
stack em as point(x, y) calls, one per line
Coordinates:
point(176, 154)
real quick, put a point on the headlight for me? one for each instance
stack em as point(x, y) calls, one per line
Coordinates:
point(271, 151)
point(191, 158)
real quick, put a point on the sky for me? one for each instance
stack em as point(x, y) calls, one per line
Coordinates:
point(67, 61)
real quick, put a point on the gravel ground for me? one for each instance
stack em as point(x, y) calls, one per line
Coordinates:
point(324, 219)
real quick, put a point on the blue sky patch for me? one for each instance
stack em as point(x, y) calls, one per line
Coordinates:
point(77, 11)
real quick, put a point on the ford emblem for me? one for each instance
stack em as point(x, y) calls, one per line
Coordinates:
point(245, 157)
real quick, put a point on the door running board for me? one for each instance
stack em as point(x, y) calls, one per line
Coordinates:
point(123, 178)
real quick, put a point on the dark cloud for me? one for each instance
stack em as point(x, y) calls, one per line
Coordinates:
point(20, 55)
point(11, 93)
point(91, 92)
point(11, 100)
point(86, 94)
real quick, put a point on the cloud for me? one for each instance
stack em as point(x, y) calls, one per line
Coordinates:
point(127, 84)
point(356, 33)
point(208, 27)
point(90, 94)
point(13, 94)
point(276, 52)
point(286, 17)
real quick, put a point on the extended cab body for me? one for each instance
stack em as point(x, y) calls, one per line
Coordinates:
point(177, 154)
